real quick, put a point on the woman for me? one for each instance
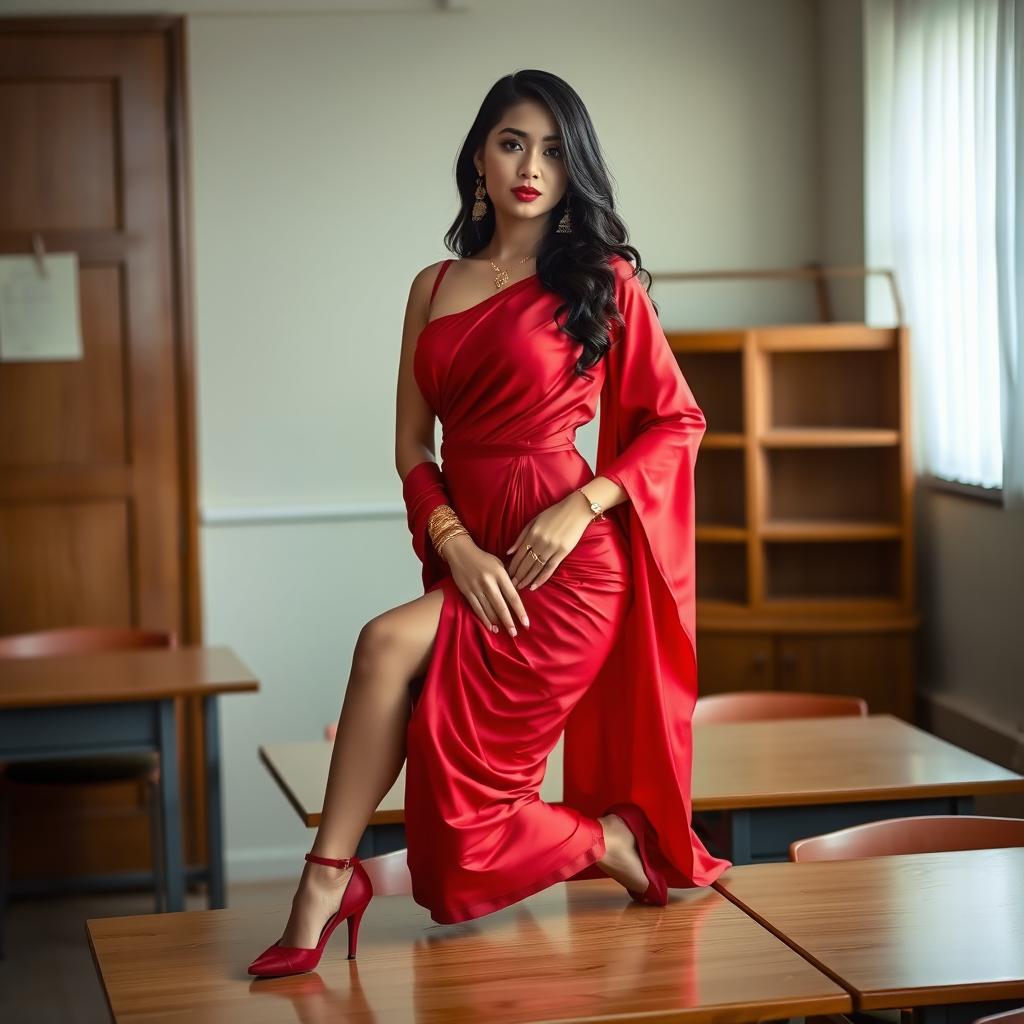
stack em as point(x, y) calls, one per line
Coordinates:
point(554, 599)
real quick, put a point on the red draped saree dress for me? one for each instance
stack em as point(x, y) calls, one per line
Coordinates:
point(609, 656)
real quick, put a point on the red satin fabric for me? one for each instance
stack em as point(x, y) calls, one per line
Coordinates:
point(609, 655)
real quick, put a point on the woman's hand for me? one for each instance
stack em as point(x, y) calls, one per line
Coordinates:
point(485, 583)
point(552, 534)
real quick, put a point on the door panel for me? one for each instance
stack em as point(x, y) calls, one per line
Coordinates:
point(727, 662)
point(875, 666)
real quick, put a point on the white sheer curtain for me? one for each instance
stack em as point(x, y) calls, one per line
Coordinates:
point(1010, 241)
point(955, 221)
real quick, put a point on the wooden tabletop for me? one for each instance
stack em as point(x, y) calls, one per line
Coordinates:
point(918, 929)
point(786, 762)
point(115, 676)
point(577, 951)
point(300, 770)
point(741, 764)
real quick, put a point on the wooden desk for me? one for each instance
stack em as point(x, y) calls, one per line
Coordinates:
point(943, 932)
point(775, 781)
point(118, 702)
point(575, 951)
point(766, 783)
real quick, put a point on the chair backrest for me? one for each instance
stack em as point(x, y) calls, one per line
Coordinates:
point(81, 640)
point(928, 833)
point(1006, 1017)
point(755, 705)
point(389, 873)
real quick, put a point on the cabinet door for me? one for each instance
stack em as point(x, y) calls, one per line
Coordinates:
point(876, 666)
point(733, 661)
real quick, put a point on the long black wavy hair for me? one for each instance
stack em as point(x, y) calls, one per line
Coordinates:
point(574, 264)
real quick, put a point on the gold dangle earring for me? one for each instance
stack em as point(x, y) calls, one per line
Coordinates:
point(480, 206)
point(564, 225)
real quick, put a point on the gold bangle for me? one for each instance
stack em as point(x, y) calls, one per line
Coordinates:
point(439, 519)
point(450, 536)
point(442, 525)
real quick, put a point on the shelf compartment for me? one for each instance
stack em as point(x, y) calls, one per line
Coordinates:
point(861, 484)
point(834, 388)
point(720, 487)
point(716, 380)
point(832, 570)
point(721, 573)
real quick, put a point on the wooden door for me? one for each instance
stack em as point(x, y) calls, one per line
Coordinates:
point(97, 480)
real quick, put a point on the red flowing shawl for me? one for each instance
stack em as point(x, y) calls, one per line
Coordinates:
point(630, 736)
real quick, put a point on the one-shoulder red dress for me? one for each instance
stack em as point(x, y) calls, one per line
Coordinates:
point(609, 656)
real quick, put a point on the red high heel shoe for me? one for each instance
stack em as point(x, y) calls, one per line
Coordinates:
point(278, 960)
point(639, 824)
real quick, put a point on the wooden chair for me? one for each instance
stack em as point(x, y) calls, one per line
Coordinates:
point(389, 873)
point(1006, 1017)
point(90, 770)
point(756, 705)
point(928, 833)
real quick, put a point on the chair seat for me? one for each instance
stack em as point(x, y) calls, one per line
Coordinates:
point(84, 770)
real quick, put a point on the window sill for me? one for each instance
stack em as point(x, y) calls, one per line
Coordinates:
point(990, 495)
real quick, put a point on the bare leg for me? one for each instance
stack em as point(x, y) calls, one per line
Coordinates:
point(622, 859)
point(369, 751)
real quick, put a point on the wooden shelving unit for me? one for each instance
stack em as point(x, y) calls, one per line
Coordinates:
point(805, 574)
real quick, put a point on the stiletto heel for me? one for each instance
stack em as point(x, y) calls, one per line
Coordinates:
point(639, 824)
point(353, 931)
point(278, 960)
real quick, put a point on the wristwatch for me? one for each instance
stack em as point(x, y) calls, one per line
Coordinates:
point(594, 507)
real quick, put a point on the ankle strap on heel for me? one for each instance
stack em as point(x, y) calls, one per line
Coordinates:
point(331, 862)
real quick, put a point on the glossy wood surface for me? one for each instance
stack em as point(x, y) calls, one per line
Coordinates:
point(113, 676)
point(918, 929)
point(833, 760)
point(741, 764)
point(578, 951)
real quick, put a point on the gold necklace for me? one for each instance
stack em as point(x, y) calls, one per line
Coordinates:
point(501, 278)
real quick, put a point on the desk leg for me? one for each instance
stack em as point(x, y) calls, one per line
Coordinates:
point(214, 821)
point(170, 809)
point(741, 836)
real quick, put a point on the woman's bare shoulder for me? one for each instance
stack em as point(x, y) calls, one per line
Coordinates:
point(429, 273)
point(423, 283)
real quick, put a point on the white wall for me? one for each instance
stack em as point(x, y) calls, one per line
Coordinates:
point(841, 115)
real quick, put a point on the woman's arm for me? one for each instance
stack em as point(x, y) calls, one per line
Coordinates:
point(479, 575)
point(423, 487)
point(414, 419)
point(654, 424)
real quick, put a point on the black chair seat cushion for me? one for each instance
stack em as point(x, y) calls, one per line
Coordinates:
point(82, 770)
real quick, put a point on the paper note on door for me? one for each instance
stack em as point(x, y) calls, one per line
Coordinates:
point(39, 316)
